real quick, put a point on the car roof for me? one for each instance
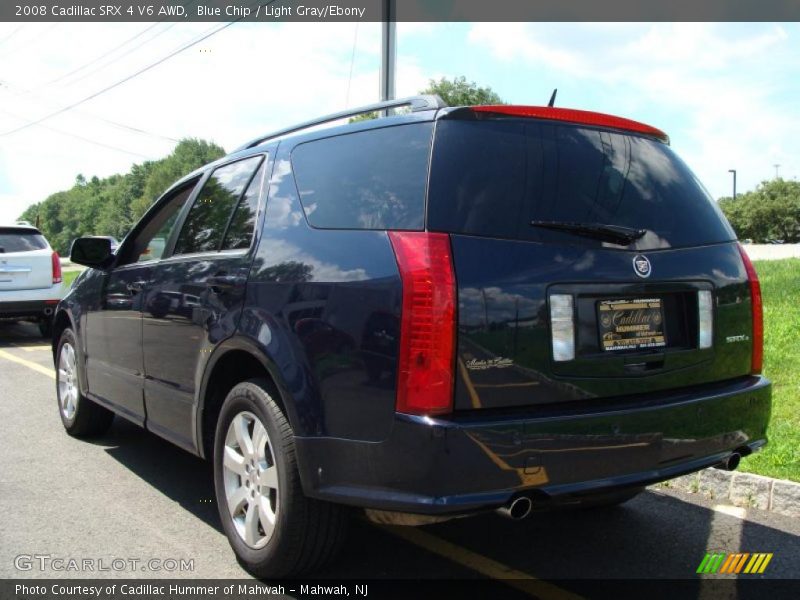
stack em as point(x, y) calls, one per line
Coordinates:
point(28, 228)
point(424, 108)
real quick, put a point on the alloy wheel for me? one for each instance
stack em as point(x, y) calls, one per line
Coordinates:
point(67, 381)
point(250, 476)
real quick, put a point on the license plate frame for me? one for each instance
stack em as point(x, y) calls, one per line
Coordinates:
point(630, 324)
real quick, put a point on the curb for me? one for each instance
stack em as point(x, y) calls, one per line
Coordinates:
point(741, 489)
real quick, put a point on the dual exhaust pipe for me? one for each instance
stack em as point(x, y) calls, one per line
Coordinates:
point(517, 509)
point(520, 507)
point(730, 463)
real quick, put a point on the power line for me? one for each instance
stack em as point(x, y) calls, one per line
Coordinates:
point(352, 62)
point(102, 56)
point(114, 49)
point(130, 77)
point(120, 57)
point(10, 35)
point(76, 136)
point(121, 81)
point(35, 38)
point(117, 124)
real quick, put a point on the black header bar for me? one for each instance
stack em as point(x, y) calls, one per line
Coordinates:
point(407, 10)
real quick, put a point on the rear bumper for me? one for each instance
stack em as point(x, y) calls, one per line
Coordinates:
point(474, 461)
point(27, 308)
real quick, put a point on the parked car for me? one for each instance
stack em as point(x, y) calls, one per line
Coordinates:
point(545, 309)
point(30, 276)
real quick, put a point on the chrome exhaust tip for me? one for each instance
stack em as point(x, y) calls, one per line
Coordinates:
point(730, 463)
point(48, 312)
point(518, 509)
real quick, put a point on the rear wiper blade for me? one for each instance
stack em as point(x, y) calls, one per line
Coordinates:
point(616, 234)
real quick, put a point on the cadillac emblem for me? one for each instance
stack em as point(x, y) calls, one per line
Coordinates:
point(641, 266)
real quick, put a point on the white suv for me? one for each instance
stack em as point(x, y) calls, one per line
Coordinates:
point(30, 276)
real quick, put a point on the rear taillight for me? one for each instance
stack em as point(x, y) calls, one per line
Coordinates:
point(757, 360)
point(56, 267)
point(427, 328)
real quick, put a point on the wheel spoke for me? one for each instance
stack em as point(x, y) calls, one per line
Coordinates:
point(243, 436)
point(259, 441)
point(266, 516)
point(70, 354)
point(251, 533)
point(269, 478)
point(233, 460)
point(236, 500)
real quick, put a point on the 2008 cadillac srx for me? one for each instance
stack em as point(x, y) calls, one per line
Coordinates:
point(426, 315)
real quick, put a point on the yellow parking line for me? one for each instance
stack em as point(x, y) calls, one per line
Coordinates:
point(33, 348)
point(473, 395)
point(26, 363)
point(482, 564)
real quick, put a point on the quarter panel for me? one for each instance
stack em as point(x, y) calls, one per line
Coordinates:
point(324, 306)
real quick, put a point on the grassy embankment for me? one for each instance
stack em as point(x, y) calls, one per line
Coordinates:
point(780, 287)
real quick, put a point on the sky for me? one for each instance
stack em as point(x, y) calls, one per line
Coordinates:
point(728, 95)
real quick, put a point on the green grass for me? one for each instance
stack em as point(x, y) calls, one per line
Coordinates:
point(780, 288)
point(69, 277)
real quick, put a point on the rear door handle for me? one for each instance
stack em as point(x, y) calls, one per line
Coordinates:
point(134, 287)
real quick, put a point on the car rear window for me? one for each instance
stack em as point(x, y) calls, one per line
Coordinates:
point(494, 177)
point(371, 179)
point(16, 240)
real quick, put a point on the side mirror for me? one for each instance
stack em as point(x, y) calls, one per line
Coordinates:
point(92, 252)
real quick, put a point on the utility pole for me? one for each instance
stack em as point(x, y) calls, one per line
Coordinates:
point(734, 181)
point(388, 50)
point(776, 170)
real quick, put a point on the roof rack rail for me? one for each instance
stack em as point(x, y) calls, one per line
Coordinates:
point(417, 103)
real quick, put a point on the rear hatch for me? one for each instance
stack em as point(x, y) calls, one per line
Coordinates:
point(594, 237)
point(26, 261)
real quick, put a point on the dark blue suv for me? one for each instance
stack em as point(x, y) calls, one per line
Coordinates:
point(426, 315)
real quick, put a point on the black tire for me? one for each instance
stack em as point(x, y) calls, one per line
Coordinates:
point(87, 419)
point(307, 533)
point(46, 327)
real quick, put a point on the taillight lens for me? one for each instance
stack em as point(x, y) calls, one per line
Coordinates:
point(757, 360)
point(56, 267)
point(428, 321)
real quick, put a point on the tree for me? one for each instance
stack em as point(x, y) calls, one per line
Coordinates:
point(771, 211)
point(458, 92)
point(188, 155)
point(111, 206)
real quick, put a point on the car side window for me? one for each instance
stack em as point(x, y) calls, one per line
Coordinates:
point(372, 179)
point(210, 215)
point(151, 242)
point(243, 223)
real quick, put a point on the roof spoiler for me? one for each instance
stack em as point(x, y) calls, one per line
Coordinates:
point(570, 115)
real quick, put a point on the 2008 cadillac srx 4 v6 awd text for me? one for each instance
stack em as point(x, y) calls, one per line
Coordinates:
point(432, 314)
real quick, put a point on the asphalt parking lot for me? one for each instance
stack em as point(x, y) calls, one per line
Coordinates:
point(130, 494)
